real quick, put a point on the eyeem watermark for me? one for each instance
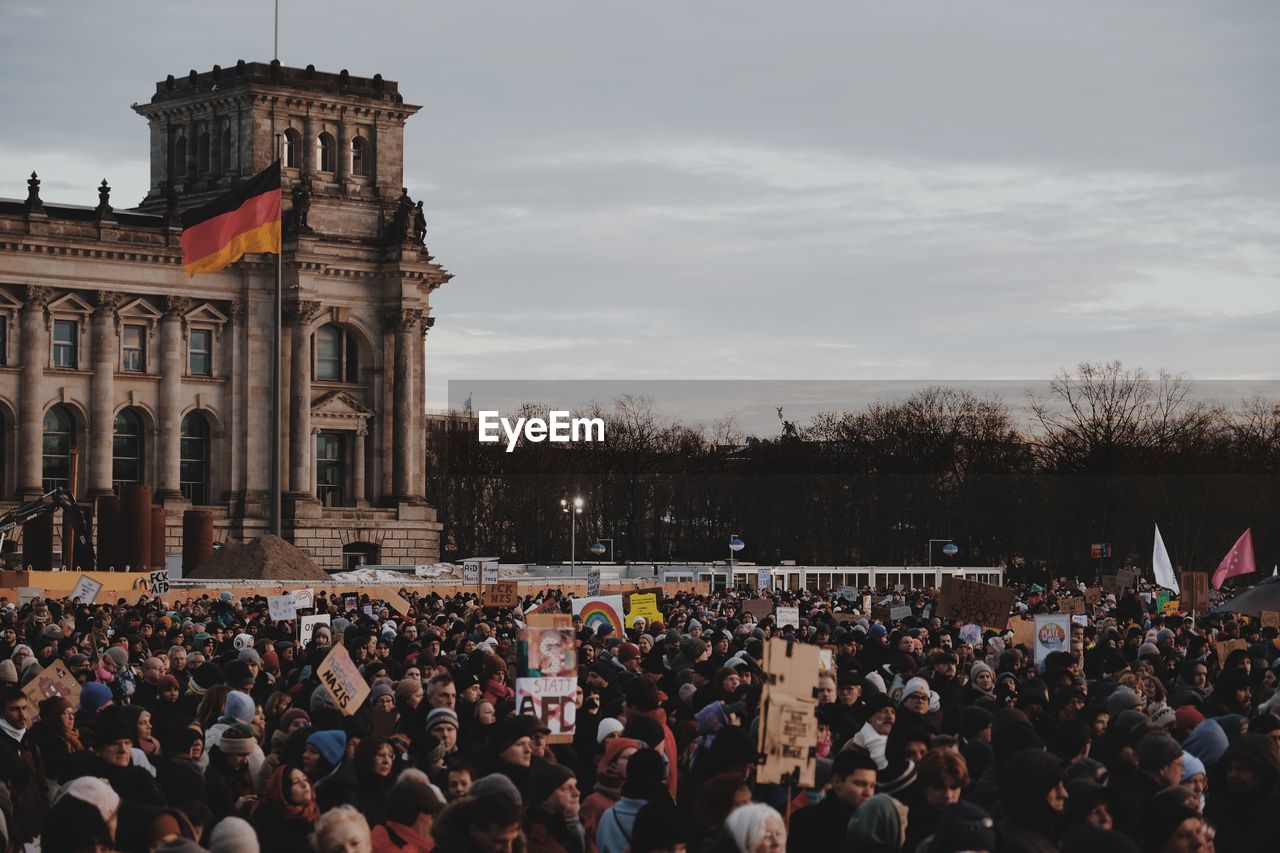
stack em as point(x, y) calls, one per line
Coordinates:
point(560, 428)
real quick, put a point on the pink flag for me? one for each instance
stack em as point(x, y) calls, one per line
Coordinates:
point(1239, 560)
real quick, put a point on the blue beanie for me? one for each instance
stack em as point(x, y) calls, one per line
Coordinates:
point(877, 631)
point(93, 696)
point(1191, 766)
point(240, 708)
point(331, 743)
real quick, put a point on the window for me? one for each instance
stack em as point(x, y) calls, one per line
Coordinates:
point(200, 352)
point(330, 468)
point(202, 153)
point(126, 450)
point(59, 441)
point(194, 459)
point(180, 157)
point(4, 339)
point(64, 343)
point(359, 156)
point(135, 349)
point(292, 149)
point(335, 355)
point(326, 152)
point(224, 158)
point(357, 554)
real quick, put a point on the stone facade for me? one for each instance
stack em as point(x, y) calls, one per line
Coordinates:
point(152, 377)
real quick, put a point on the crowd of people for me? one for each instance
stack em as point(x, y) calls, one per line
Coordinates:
point(201, 724)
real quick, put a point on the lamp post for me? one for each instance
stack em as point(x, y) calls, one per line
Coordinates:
point(949, 549)
point(597, 547)
point(735, 545)
point(573, 510)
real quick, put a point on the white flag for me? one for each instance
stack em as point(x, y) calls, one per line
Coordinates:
point(1162, 566)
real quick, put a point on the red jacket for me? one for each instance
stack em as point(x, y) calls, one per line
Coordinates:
point(392, 837)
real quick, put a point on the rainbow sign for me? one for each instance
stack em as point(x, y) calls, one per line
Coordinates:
point(600, 610)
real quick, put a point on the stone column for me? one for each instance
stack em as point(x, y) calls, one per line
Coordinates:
point(309, 164)
point(357, 467)
point(405, 324)
point(299, 316)
point(106, 354)
point(35, 355)
point(344, 151)
point(172, 369)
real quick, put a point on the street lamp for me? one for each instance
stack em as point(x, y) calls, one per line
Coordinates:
point(597, 547)
point(573, 510)
point(735, 545)
point(949, 549)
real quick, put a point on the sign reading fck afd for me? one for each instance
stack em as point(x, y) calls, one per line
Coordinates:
point(559, 428)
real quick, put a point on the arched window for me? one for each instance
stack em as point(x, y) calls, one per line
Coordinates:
point(59, 441)
point(180, 157)
point(331, 468)
point(194, 462)
point(202, 153)
point(292, 149)
point(359, 156)
point(335, 355)
point(126, 450)
point(326, 146)
point(224, 158)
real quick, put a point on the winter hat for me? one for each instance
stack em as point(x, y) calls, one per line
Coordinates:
point(112, 725)
point(238, 674)
point(93, 695)
point(1191, 766)
point(627, 652)
point(1148, 649)
point(544, 779)
point(607, 726)
point(271, 661)
point(693, 648)
point(1123, 699)
point(914, 685)
point(613, 748)
point(330, 743)
point(410, 797)
point(167, 682)
point(1208, 742)
point(1157, 750)
point(964, 826)
point(118, 656)
point(8, 672)
point(208, 675)
point(1161, 817)
point(876, 632)
point(249, 655)
point(441, 717)
point(979, 667)
point(94, 791)
point(896, 777)
point(973, 719)
point(380, 690)
point(496, 784)
point(237, 740)
point(1164, 718)
point(239, 708)
point(1187, 718)
point(505, 733)
point(233, 835)
point(876, 824)
point(242, 641)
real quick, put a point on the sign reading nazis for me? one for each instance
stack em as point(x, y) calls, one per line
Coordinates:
point(344, 682)
point(973, 602)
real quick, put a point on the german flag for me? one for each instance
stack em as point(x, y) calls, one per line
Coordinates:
point(247, 219)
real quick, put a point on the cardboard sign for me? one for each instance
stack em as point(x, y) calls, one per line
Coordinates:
point(27, 594)
point(53, 680)
point(1270, 619)
point(1082, 621)
point(1110, 584)
point(593, 581)
point(644, 605)
point(340, 677)
point(1093, 595)
point(489, 572)
point(160, 582)
point(826, 656)
point(758, 607)
point(303, 598)
point(788, 722)
point(1052, 634)
point(764, 579)
point(471, 572)
point(1071, 605)
point(972, 601)
point(281, 608)
point(350, 602)
point(1195, 591)
point(400, 604)
point(1226, 647)
point(1127, 579)
point(86, 589)
point(551, 700)
point(899, 612)
point(307, 626)
point(787, 616)
point(1170, 607)
point(503, 594)
point(655, 591)
point(600, 610)
point(848, 593)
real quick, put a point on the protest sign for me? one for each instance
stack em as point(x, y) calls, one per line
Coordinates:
point(281, 608)
point(593, 581)
point(1126, 579)
point(350, 602)
point(1195, 591)
point(1226, 647)
point(1052, 634)
point(53, 680)
point(400, 604)
point(28, 594)
point(788, 722)
point(900, 611)
point(758, 607)
point(489, 572)
point(547, 673)
point(600, 610)
point(1081, 620)
point(1093, 595)
point(471, 572)
point(1110, 584)
point(307, 626)
point(655, 591)
point(1171, 606)
point(86, 589)
point(303, 598)
point(787, 616)
point(866, 604)
point(1270, 619)
point(1024, 632)
point(644, 605)
point(339, 675)
point(503, 594)
point(1071, 605)
point(160, 582)
point(972, 601)
point(764, 579)
point(826, 657)
point(849, 593)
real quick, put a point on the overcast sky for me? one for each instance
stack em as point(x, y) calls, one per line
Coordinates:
point(746, 189)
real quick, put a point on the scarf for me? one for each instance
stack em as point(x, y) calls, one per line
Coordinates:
point(16, 734)
point(72, 740)
point(274, 798)
point(609, 782)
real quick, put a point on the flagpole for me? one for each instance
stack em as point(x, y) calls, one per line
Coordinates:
point(276, 54)
point(276, 355)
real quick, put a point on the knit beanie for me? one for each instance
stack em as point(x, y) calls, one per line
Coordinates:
point(544, 779)
point(249, 655)
point(441, 716)
point(233, 835)
point(237, 740)
point(409, 798)
point(496, 784)
point(288, 717)
point(208, 675)
point(239, 708)
point(1123, 699)
point(238, 675)
point(112, 725)
point(118, 656)
point(330, 743)
point(607, 726)
point(1191, 766)
point(1157, 750)
point(896, 777)
point(964, 826)
point(1161, 817)
point(692, 648)
point(94, 791)
point(613, 748)
point(93, 695)
point(379, 690)
point(8, 672)
point(973, 719)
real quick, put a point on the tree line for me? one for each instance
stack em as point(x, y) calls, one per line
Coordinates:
point(1099, 457)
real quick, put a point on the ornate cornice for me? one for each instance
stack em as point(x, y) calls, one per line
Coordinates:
point(39, 296)
point(402, 319)
point(302, 311)
point(176, 306)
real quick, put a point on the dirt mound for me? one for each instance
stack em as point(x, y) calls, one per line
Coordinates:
point(268, 558)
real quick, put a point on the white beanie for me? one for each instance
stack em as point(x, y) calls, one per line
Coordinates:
point(94, 791)
point(233, 835)
point(915, 685)
point(608, 726)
